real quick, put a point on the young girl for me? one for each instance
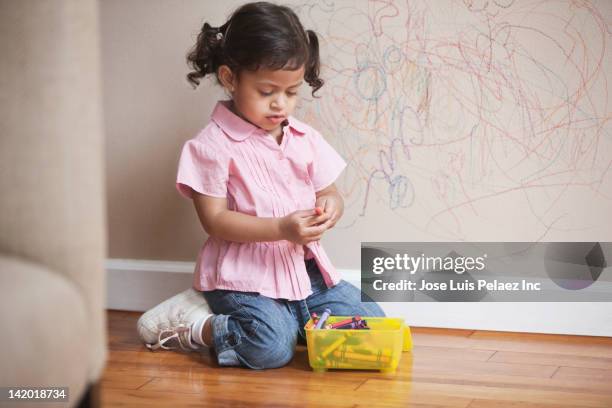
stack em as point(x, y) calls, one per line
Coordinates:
point(256, 176)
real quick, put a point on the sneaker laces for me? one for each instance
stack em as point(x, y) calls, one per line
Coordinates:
point(181, 333)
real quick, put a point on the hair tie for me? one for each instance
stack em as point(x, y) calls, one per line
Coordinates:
point(219, 36)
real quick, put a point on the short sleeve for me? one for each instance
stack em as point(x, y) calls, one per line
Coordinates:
point(327, 163)
point(202, 168)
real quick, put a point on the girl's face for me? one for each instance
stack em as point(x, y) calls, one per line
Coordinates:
point(264, 97)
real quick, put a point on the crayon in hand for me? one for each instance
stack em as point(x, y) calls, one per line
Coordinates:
point(318, 210)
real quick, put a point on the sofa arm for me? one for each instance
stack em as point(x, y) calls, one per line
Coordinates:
point(45, 329)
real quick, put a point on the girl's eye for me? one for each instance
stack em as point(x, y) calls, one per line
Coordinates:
point(264, 93)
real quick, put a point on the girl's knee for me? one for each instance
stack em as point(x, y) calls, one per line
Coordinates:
point(278, 357)
point(270, 346)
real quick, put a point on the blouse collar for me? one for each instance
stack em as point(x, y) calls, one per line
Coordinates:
point(239, 129)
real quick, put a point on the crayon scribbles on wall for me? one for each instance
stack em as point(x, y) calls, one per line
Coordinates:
point(454, 114)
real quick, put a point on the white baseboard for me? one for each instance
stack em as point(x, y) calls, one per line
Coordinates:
point(138, 285)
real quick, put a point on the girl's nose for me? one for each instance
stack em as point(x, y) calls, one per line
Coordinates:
point(278, 102)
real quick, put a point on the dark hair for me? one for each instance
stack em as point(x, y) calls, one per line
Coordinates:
point(257, 35)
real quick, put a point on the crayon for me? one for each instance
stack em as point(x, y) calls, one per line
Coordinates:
point(386, 352)
point(359, 325)
point(349, 326)
point(318, 210)
point(345, 321)
point(348, 356)
point(323, 318)
point(334, 346)
point(360, 365)
point(311, 323)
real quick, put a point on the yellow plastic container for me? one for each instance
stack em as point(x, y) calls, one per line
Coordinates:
point(379, 348)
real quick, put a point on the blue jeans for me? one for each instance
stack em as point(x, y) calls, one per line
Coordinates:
point(259, 332)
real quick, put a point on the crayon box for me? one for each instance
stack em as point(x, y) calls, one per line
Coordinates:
point(379, 348)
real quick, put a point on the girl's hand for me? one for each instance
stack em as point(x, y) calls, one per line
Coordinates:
point(303, 226)
point(332, 206)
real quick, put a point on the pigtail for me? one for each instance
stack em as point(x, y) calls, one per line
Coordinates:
point(311, 71)
point(207, 54)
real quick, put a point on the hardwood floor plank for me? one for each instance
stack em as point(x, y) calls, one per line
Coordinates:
point(587, 346)
point(408, 391)
point(484, 403)
point(506, 381)
point(442, 338)
point(143, 399)
point(451, 353)
point(124, 381)
point(480, 367)
point(552, 359)
point(238, 384)
point(121, 314)
point(538, 337)
point(574, 373)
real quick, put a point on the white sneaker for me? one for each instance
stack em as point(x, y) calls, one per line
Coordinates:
point(169, 323)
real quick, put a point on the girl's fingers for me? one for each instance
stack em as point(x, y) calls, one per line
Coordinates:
point(316, 230)
point(314, 220)
point(331, 221)
point(327, 220)
point(305, 213)
point(310, 217)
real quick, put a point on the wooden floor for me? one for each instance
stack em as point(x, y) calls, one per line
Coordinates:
point(447, 368)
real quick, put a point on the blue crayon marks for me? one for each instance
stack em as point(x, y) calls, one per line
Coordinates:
point(392, 59)
point(370, 82)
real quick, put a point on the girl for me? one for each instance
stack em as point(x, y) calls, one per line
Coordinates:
point(256, 175)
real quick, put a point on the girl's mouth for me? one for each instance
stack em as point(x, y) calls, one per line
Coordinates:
point(276, 119)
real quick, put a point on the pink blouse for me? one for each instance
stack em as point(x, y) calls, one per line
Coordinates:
point(234, 159)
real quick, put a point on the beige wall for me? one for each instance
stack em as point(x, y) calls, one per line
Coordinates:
point(150, 110)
